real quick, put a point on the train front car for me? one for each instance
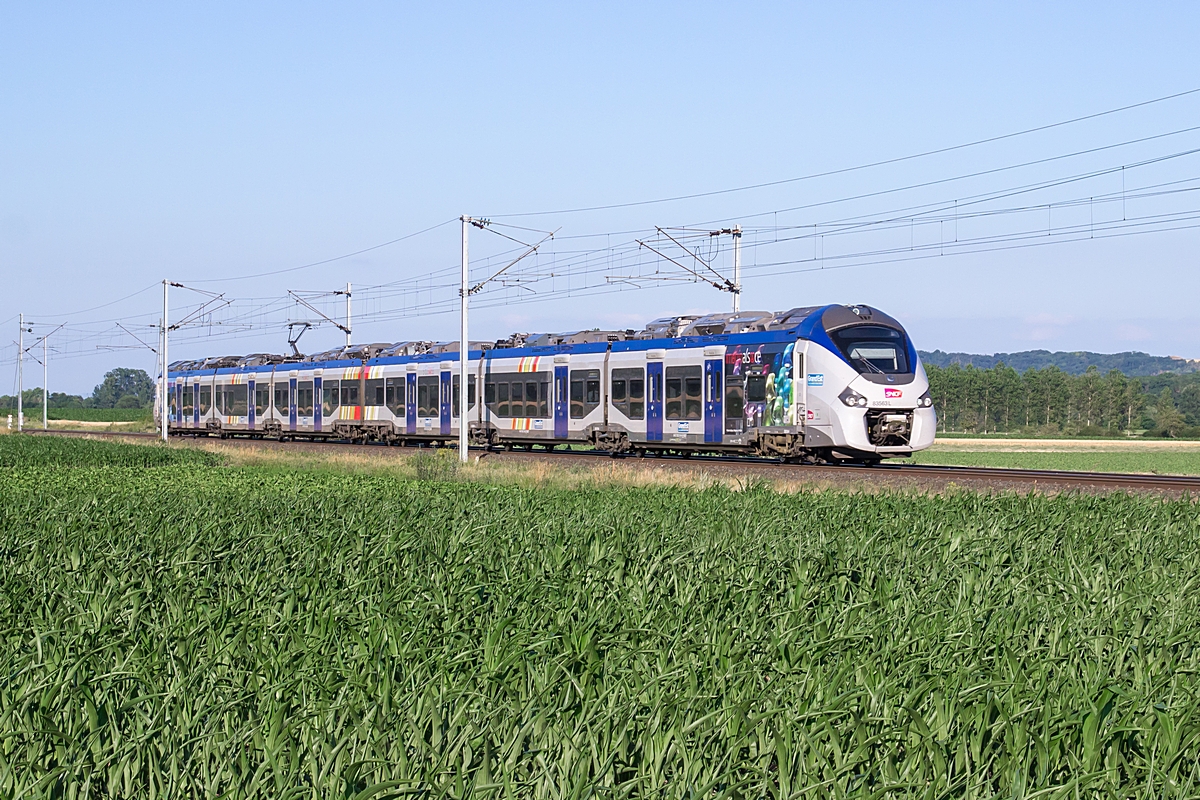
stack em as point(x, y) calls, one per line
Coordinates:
point(867, 397)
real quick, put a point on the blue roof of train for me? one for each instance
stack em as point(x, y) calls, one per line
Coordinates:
point(810, 328)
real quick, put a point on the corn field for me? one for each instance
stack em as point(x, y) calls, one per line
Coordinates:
point(196, 631)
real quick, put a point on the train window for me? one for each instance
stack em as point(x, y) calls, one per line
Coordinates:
point(735, 405)
point(628, 392)
point(873, 348)
point(374, 392)
point(174, 410)
point(517, 394)
point(281, 399)
point(470, 394)
point(684, 388)
point(304, 398)
point(330, 397)
point(585, 392)
point(394, 395)
point(262, 399)
point(428, 394)
point(674, 398)
point(756, 389)
point(349, 393)
point(502, 400)
point(188, 394)
point(531, 399)
point(205, 399)
point(693, 400)
point(236, 401)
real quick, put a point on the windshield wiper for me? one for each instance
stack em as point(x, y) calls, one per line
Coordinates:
point(872, 366)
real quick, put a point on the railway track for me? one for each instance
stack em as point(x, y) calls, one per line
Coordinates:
point(887, 473)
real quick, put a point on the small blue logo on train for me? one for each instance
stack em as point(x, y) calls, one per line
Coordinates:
point(816, 379)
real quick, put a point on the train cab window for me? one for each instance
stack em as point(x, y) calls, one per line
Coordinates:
point(374, 392)
point(629, 392)
point(281, 399)
point(188, 407)
point(394, 395)
point(428, 395)
point(304, 398)
point(684, 392)
point(873, 348)
point(205, 401)
point(262, 399)
point(585, 392)
point(330, 397)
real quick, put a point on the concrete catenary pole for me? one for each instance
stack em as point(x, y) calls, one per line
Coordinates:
point(463, 350)
point(45, 385)
point(21, 375)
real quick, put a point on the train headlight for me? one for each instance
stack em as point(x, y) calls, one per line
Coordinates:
point(853, 399)
point(925, 401)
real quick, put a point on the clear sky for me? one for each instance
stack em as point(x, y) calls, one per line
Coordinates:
point(203, 142)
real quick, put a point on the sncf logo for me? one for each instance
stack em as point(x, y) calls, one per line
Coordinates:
point(887, 392)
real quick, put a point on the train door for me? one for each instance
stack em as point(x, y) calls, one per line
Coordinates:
point(714, 420)
point(252, 397)
point(317, 398)
point(202, 401)
point(445, 395)
point(410, 411)
point(560, 402)
point(291, 406)
point(654, 401)
point(177, 411)
point(800, 382)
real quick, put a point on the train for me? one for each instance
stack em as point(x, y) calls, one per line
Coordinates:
point(816, 384)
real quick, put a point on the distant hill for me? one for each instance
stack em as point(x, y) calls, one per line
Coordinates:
point(1134, 365)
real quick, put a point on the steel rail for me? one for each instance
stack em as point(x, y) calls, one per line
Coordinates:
point(1001, 475)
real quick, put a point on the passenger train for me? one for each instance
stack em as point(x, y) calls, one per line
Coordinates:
point(819, 385)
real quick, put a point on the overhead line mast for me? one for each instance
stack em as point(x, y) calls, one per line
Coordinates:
point(465, 291)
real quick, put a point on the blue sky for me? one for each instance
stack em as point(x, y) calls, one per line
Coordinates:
point(201, 143)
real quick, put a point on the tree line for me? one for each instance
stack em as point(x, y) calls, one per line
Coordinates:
point(1050, 401)
point(121, 388)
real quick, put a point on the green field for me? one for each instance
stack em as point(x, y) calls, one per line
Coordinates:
point(197, 630)
point(33, 414)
